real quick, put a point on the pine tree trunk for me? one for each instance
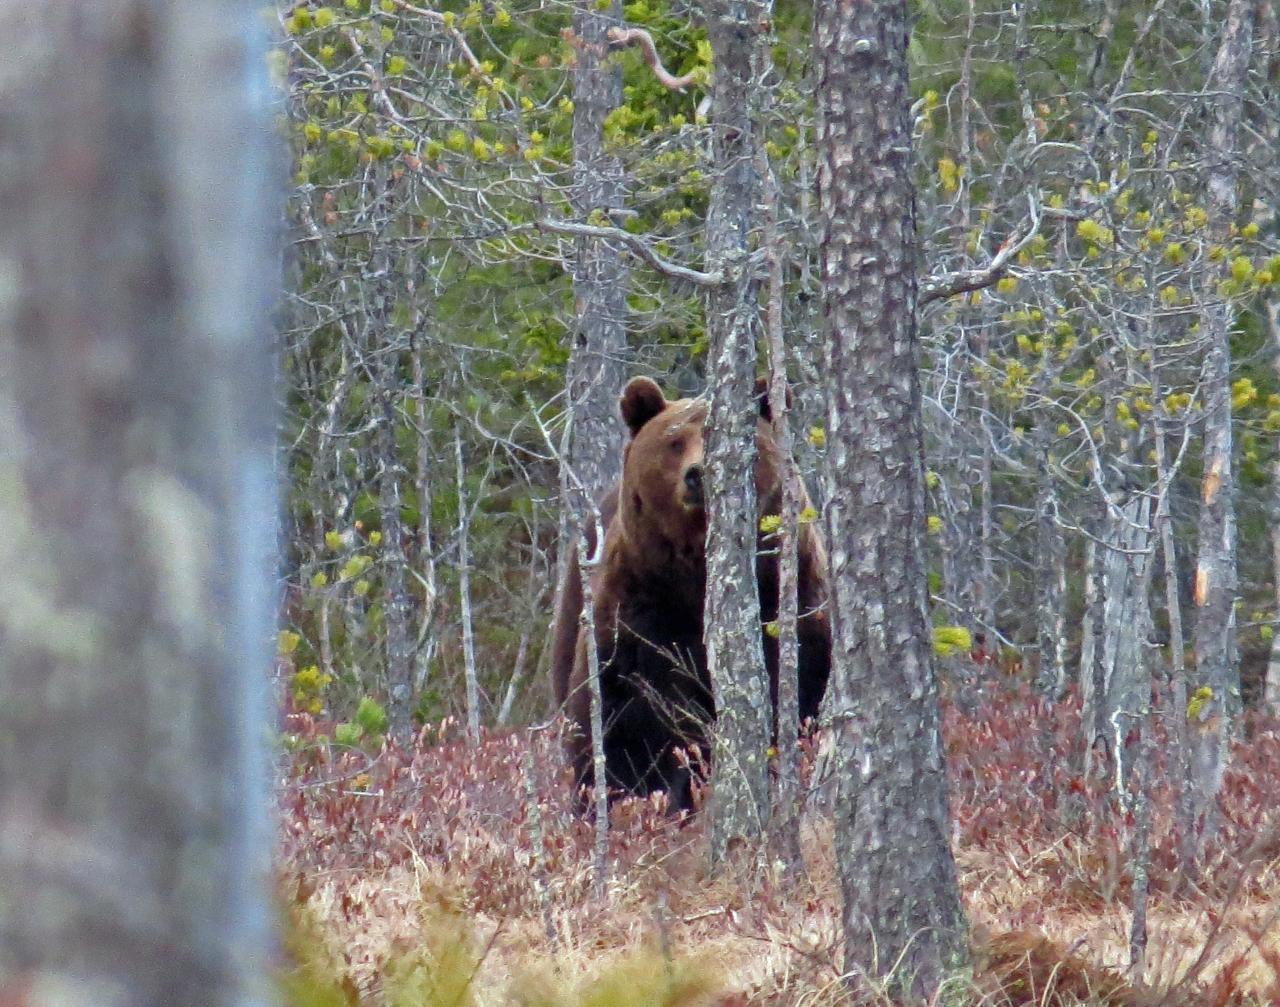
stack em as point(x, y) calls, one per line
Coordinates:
point(735, 653)
point(137, 497)
point(600, 279)
point(902, 915)
point(1216, 582)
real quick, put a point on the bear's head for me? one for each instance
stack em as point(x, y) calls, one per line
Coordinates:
point(662, 505)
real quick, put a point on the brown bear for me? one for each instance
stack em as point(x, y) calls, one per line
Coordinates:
point(648, 601)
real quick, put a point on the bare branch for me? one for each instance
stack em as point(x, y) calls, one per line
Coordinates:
point(949, 284)
point(638, 36)
point(637, 245)
point(459, 39)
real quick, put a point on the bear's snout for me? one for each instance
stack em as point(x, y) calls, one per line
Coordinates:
point(693, 492)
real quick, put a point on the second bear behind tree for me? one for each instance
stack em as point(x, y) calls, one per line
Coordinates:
point(648, 602)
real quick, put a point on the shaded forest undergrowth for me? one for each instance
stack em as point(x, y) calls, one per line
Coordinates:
point(379, 851)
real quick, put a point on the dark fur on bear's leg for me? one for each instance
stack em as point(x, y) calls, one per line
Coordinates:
point(648, 605)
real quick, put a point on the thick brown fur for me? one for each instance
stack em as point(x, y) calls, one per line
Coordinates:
point(648, 602)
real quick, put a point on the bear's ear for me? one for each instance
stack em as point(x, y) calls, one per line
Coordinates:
point(762, 396)
point(641, 401)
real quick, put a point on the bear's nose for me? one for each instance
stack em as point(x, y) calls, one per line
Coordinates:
point(693, 484)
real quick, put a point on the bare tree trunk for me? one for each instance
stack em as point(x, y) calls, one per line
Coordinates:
point(1117, 692)
point(985, 586)
point(735, 654)
point(1140, 803)
point(1184, 807)
point(464, 590)
point(399, 667)
point(1271, 692)
point(1216, 585)
point(590, 461)
point(1091, 623)
point(136, 490)
point(1051, 677)
point(597, 355)
point(786, 824)
point(903, 921)
point(425, 646)
point(587, 563)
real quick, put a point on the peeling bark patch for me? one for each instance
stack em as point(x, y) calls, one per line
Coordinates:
point(1212, 482)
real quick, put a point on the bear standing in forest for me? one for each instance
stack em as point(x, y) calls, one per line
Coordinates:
point(648, 602)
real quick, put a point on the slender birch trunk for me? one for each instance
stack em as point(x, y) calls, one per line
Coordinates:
point(464, 591)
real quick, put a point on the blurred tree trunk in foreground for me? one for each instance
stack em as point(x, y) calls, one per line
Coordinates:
point(137, 497)
point(903, 922)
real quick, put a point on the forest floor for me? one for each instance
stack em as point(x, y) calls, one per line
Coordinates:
point(415, 873)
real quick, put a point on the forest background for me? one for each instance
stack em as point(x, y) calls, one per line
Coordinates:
point(500, 212)
point(497, 213)
point(431, 323)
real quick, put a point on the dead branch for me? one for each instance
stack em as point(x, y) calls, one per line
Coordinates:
point(638, 36)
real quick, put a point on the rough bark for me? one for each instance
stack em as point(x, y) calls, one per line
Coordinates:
point(1216, 585)
point(464, 597)
point(1091, 622)
point(136, 490)
point(1176, 672)
point(587, 641)
point(903, 922)
point(786, 822)
point(1051, 580)
point(597, 359)
point(1116, 693)
point(590, 462)
point(1271, 692)
point(425, 555)
point(399, 667)
point(735, 655)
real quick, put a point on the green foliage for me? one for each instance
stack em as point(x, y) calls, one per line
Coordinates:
point(951, 640)
point(372, 718)
point(396, 128)
point(312, 978)
point(309, 685)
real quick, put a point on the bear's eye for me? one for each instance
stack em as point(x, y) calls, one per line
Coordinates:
point(676, 444)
